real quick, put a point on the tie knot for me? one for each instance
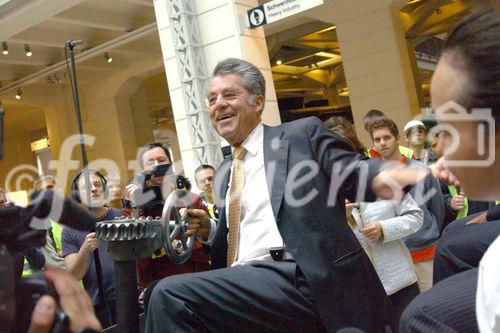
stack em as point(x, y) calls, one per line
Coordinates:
point(239, 153)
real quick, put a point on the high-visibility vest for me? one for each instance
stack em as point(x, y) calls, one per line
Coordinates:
point(27, 269)
point(465, 211)
point(405, 151)
point(56, 235)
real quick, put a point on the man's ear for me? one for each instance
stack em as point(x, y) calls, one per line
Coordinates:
point(259, 103)
point(398, 137)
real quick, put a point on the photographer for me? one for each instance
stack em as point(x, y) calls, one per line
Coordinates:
point(74, 301)
point(154, 156)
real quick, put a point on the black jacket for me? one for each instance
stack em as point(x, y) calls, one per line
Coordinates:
point(345, 287)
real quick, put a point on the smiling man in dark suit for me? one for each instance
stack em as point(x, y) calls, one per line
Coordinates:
point(287, 261)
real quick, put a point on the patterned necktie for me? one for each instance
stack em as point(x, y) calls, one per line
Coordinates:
point(237, 182)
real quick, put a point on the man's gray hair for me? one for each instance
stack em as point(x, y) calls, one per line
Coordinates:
point(252, 77)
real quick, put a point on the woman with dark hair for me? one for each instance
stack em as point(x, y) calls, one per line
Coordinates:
point(467, 80)
point(345, 129)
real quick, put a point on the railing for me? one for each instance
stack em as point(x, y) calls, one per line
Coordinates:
point(429, 50)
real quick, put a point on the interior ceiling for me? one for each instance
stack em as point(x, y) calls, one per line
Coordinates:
point(97, 23)
point(311, 58)
point(309, 51)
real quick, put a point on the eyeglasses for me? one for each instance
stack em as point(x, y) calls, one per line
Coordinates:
point(96, 184)
point(226, 95)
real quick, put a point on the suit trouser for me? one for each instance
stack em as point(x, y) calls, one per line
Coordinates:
point(448, 306)
point(461, 246)
point(106, 313)
point(400, 301)
point(259, 297)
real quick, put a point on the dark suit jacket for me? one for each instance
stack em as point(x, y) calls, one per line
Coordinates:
point(345, 287)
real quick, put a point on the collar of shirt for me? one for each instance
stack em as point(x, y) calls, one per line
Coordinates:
point(253, 142)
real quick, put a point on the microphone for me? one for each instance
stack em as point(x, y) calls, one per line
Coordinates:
point(15, 220)
point(63, 210)
point(73, 42)
point(2, 111)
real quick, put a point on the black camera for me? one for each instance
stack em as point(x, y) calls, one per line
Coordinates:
point(19, 296)
point(29, 291)
point(148, 198)
point(158, 171)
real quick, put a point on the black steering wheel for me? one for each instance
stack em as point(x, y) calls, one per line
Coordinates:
point(174, 227)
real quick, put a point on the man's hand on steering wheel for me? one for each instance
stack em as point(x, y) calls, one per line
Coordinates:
point(199, 222)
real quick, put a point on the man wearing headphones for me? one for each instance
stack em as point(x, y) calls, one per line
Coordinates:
point(79, 249)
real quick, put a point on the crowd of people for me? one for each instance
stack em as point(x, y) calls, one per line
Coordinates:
point(408, 242)
point(86, 257)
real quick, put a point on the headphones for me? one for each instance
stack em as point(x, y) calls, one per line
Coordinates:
point(75, 191)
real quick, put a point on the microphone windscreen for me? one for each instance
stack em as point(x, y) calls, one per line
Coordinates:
point(64, 210)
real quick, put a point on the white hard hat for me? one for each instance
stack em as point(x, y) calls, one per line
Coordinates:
point(413, 123)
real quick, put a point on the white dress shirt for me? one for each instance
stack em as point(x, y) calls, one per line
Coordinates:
point(258, 229)
point(488, 290)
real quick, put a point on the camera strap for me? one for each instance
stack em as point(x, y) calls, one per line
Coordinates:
point(98, 273)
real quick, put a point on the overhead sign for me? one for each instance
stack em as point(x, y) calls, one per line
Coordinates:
point(40, 144)
point(276, 10)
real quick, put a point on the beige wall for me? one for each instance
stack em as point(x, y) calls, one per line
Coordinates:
point(113, 112)
point(17, 155)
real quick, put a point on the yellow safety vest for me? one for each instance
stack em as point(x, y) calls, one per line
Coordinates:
point(27, 269)
point(57, 233)
point(406, 151)
point(465, 211)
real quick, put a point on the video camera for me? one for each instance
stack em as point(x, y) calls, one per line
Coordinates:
point(148, 197)
point(22, 229)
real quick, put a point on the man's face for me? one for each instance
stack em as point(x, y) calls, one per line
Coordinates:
point(233, 112)
point(416, 136)
point(385, 143)
point(96, 191)
point(204, 179)
point(153, 157)
point(449, 84)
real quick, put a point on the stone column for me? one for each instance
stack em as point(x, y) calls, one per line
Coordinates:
point(194, 36)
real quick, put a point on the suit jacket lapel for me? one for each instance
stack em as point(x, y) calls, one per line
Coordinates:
point(275, 162)
point(221, 182)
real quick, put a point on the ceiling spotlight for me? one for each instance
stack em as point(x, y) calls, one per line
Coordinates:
point(278, 62)
point(28, 50)
point(5, 48)
point(19, 93)
point(108, 58)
